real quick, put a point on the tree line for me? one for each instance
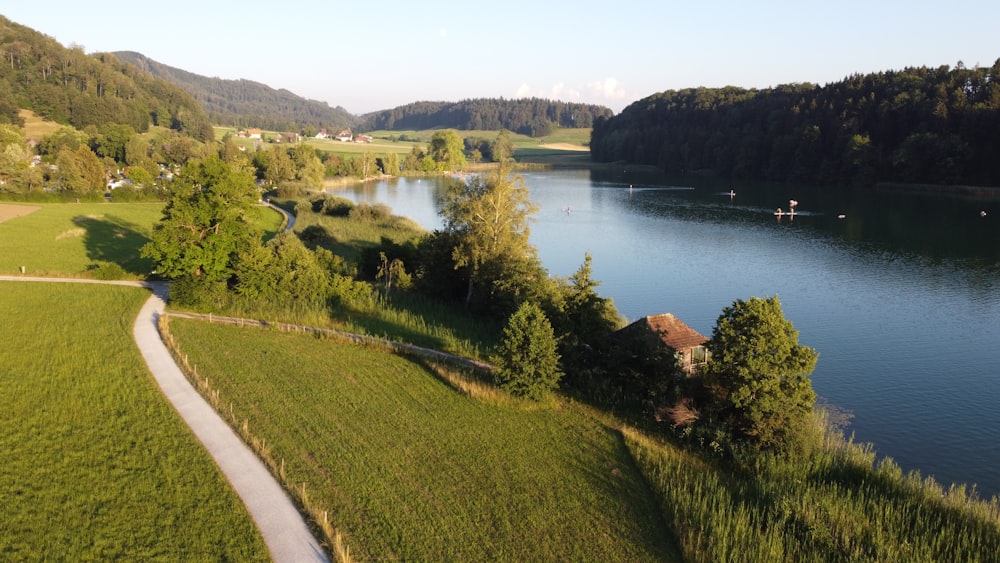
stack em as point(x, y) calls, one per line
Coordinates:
point(245, 103)
point(529, 116)
point(70, 87)
point(918, 125)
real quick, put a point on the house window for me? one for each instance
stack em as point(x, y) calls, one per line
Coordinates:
point(699, 355)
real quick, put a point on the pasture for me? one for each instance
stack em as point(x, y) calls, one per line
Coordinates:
point(96, 465)
point(72, 239)
point(409, 468)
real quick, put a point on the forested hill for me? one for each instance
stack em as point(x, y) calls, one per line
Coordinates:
point(918, 125)
point(529, 116)
point(68, 86)
point(244, 103)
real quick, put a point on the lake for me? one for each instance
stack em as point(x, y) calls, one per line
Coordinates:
point(899, 292)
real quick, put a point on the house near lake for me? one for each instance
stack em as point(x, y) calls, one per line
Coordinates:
point(667, 330)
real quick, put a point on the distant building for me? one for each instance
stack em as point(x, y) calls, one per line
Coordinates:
point(363, 139)
point(289, 137)
point(667, 330)
point(345, 135)
point(253, 133)
point(322, 134)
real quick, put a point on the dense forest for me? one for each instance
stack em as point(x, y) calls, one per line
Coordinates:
point(244, 103)
point(70, 87)
point(919, 125)
point(529, 116)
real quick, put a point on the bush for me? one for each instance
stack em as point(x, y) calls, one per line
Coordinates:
point(315, 236)
point(337, 206)
point(107, 271)
point(292, 189)
point(371, 213)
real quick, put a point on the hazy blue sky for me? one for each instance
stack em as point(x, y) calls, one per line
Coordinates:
point(367, 56)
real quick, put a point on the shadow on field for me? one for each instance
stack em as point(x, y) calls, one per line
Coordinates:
point(114, 240)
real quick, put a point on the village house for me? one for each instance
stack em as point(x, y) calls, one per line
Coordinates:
point(288, 137)
point(253, 133)
point(344, 136)
point(667, 330)
point(322, 134)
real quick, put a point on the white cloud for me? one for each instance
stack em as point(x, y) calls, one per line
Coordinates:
point(608, 89)
point(606, 92)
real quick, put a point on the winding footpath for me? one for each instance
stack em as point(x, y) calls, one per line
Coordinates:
point(285, 533)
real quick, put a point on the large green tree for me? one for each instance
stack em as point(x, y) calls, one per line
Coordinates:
point(205, 225)
point(527, 361)
point(758, 376)
point(489, 219)
point(447, 150)
point(14, 155)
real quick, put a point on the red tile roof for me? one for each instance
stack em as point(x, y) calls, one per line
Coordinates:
point(673, 331)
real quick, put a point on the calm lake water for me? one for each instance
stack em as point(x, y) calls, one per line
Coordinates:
point(900, 296)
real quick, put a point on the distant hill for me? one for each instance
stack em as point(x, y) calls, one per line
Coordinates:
point(245, 103)
point(917, 125)
point(70, 87)
point(529, 116)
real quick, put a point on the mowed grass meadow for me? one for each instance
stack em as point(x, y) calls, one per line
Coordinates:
point(409, 468)
point(72, 239)
point(96, 465)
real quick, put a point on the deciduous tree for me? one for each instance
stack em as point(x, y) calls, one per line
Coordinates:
point(447, 150)
point(489, 217)
point(205, 224)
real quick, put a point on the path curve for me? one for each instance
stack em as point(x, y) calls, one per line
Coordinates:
point(278, 520)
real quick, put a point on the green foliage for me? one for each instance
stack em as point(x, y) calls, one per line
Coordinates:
point(79, 171)
point(206, 223)
point(393, 450)
point(370, 212)
point(836, 505)
point(14, 155)
point(925, 125)
point(489, 220)
point(528, 116)
point(283, 273)
point(70, 87)
point(96, 464)
point(447, 150)
point(244, 103)
point(583, 322)
point(527, 361)
point(758, 375)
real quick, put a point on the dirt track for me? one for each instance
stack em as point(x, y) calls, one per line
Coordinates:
point(11, 211)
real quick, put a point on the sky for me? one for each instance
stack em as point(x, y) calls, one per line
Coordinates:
point(369, 56)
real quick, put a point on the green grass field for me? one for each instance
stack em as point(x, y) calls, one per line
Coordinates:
point(96, 465)
point(68, 239)
point(411, 469)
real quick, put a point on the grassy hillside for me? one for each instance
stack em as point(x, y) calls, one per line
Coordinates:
point(96, 465)
point(409, 468)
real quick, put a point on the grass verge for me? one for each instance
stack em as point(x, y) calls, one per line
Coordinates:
point(96, 465)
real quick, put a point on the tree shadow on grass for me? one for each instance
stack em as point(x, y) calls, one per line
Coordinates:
point(114, 240)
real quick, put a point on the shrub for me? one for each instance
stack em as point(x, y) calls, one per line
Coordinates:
point(371, 213)
point(336, 206)
point(107, 271)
